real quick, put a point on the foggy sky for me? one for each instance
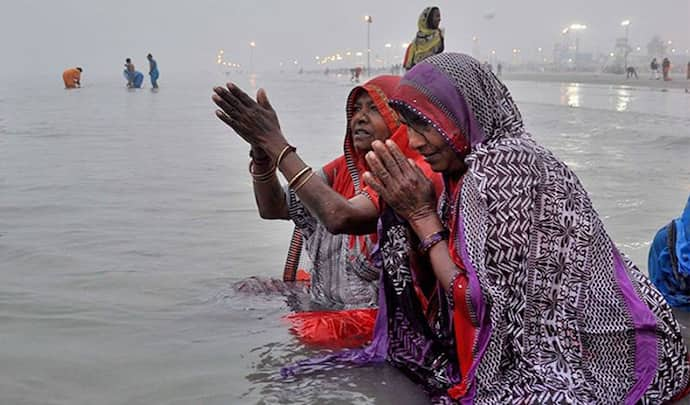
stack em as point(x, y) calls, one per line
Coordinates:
point(47, 36)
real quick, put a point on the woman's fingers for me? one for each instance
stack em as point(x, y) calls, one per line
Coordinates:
point(262, 99)
point(374, 183)
point(416, 168)
point(224, 117)
point(395, 152)
point(224, 105)
point(230, 105)
point(234, 124)
point(378, 168)
point(384, 156)
point(228, 97)
point(240, 95)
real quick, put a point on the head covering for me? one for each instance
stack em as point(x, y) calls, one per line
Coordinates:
point(379, 89)
point(669, 260)
point(461, 99)
point(427, 42)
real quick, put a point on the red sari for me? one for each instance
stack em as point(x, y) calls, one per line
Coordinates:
point(354, 327)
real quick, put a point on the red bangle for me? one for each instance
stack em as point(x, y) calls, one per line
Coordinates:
point(429, 241)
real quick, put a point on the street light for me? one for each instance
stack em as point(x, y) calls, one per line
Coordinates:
point(252, 45)
point(368, 20)
point(626, 24)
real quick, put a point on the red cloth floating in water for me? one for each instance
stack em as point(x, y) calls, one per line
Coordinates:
point(334, 329)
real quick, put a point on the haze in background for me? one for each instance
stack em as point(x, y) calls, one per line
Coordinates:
point(40, 38)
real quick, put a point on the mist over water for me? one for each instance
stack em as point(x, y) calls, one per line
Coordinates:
point(126, 216)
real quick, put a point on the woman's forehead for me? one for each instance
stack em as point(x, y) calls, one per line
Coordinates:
point(363, 97)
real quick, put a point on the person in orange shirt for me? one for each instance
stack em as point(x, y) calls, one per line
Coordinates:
point(72, 78)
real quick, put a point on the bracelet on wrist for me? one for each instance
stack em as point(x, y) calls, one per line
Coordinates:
point(267, 176)
point(303, 182)
point(297, 176)
point(264, 177)
point(432, 239)
point(286, 150)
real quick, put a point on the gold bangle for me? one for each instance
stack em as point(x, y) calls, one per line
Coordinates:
point(261, 177)
point(298, 175)
point(287, 149)
point(303, 182)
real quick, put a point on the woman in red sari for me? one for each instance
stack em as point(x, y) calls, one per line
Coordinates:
point(334, 213)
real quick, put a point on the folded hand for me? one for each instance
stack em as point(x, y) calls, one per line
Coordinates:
point(255, 121)
point(400, 182)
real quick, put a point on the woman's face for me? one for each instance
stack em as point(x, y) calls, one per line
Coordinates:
point(435, 18)
point(430, 144)
point(367, 124)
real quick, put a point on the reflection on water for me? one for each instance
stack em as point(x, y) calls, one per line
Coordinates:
point(622, 99)
point(571, 95)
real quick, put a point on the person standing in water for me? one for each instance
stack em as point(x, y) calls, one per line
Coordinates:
point(654, 69)
point(153, 71)
point(666, 69)
point(72, 78)
point(429, 39)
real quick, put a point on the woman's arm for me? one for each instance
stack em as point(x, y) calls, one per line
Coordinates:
point(356, 216)
point(257, 123)
point(445, 269)
point(268, 193)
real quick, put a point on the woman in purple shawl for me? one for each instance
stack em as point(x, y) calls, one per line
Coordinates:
point(540, 305)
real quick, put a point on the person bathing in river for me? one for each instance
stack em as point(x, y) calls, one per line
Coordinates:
point(334, 213)
point(529, 301)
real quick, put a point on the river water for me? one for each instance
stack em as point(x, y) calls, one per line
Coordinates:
point(127, 215)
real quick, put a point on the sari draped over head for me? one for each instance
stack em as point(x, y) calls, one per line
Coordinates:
point(427, 42)
point(555, 312)
point(669, 261)
point(343, 279)
point(548, 310)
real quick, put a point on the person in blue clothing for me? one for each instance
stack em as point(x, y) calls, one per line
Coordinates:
point(669, 261)
point(153, 71)
point(135, 79)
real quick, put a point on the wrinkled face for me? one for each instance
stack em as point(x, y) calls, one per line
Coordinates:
point(367, 124)
point(430, 144)
point(435, 18)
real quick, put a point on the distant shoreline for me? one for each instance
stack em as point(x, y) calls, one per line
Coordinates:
point(677, 82)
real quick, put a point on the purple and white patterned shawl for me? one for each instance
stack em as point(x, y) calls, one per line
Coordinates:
point(563, 317)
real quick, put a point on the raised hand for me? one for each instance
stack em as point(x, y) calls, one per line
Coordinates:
point(399, 181)
point(256, 122)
